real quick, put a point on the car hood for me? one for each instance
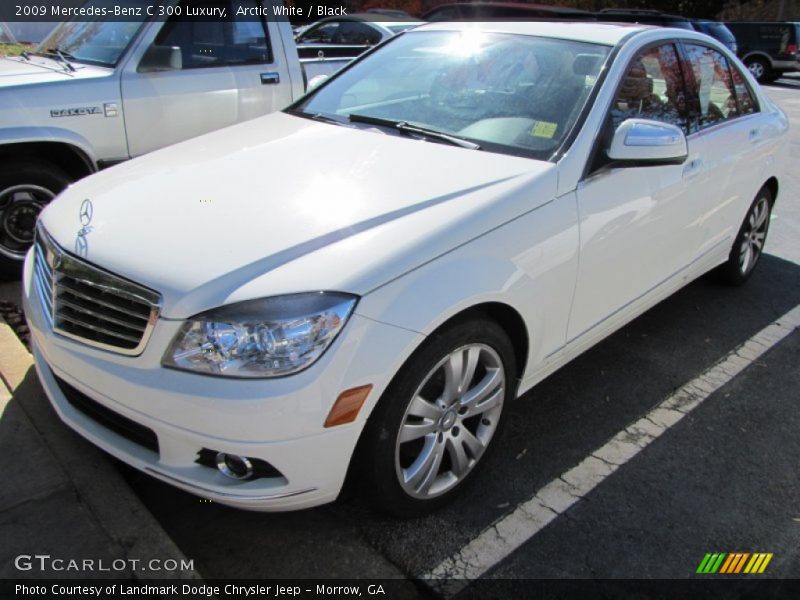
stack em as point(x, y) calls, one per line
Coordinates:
point(284, 204)
point(39, 69)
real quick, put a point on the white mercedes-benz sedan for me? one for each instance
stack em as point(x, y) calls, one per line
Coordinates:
point(358, 286)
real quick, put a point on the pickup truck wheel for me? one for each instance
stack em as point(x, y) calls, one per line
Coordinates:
point(760, 69)
point(749, 243)
point(433, 426)
point(25, 189)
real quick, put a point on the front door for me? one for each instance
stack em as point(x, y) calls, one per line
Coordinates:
point(229, 73)
point(637, 224)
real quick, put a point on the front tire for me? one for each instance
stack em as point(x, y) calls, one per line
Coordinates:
point(25, 189)
point(433, 427)
point(749, 243)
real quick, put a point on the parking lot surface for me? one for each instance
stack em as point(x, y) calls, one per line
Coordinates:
point(722, 479)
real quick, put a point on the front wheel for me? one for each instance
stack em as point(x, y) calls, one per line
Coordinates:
point(25, 189)
point(749, 243)
point(434, 425)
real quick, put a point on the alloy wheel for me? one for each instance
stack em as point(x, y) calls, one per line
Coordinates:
point(757, 69)
point(450, 421)
point(754, 235)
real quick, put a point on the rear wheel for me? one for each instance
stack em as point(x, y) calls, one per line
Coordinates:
point(760, 68)
point(434, 425)
point(25, 189)
point(749, 243)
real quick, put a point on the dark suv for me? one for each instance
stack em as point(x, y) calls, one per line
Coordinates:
point(504, 11)
point(768, 49)
point(645, 17)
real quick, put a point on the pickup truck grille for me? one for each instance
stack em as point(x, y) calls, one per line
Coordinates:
point(90, 305)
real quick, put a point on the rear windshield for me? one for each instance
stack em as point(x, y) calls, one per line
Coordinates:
point(716, 30)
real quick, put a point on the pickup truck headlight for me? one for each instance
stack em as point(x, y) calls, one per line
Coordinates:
point(269, 337)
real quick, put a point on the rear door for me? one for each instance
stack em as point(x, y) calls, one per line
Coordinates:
point(733, 132)
point(233, 69)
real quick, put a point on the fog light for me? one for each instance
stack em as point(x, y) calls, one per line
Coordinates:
point(235, 467)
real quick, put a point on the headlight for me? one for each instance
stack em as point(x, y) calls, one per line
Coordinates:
point(269, 337)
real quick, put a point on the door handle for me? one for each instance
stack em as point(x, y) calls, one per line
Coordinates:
point(755, 135)
point(693, 169)
point(270, 78)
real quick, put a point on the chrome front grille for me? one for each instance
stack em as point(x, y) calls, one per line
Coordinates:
point(90, 305)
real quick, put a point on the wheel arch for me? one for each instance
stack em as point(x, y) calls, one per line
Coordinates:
point(508, 319)
point(772, 185)
point(758, 54)
point(68, 157)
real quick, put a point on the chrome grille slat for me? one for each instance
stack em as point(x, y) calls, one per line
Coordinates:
point(72, 319)
point(72, 290)
point(90, 305)
point(43, 277)
point(105, 289)
point(135, 327)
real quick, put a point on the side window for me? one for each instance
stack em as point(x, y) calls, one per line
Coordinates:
point(322, 34)
point(446, 13)
point(220, 42)
point(714, 99)
point(353, 33)
point(744, 96)
point(653, 88)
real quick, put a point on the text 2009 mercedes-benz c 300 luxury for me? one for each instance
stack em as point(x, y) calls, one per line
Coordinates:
point(359, 285)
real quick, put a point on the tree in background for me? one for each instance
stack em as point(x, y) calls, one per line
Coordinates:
point(742, 10)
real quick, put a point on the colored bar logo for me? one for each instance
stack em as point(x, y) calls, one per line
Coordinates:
point(734, 563)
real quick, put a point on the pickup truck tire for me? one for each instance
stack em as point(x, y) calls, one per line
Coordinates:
point(25, 189)
point(433, 427)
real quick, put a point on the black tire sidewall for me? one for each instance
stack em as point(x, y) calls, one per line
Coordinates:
point(376, 452)
point(33, 172)
point(730, 271)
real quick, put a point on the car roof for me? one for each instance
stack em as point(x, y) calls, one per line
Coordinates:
point(608, 34)
point(376, 18)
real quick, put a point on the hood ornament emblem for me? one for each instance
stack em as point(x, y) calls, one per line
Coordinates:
point(85, 214)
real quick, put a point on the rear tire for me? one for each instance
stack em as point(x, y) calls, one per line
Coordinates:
point(760, 68)
point(432, 429)
point(749, 243)
point(26, 187)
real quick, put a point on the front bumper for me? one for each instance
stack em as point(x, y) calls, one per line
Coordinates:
point(279, 421)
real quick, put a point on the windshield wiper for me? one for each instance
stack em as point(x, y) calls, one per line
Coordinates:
point(405, 127)
point(63, 56)
point(315, 116)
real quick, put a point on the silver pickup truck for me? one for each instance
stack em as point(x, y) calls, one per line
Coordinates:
point(97, 93)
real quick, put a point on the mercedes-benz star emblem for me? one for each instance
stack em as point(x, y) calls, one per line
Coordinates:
point(81, 245)
point(86, 212)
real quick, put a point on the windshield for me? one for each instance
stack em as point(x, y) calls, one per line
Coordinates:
point(508, 93)
point(96, 42)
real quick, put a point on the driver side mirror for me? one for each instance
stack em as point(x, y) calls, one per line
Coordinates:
point(161, 58)
point(642, 142)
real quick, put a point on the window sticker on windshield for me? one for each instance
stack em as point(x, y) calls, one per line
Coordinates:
point(544, 129)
